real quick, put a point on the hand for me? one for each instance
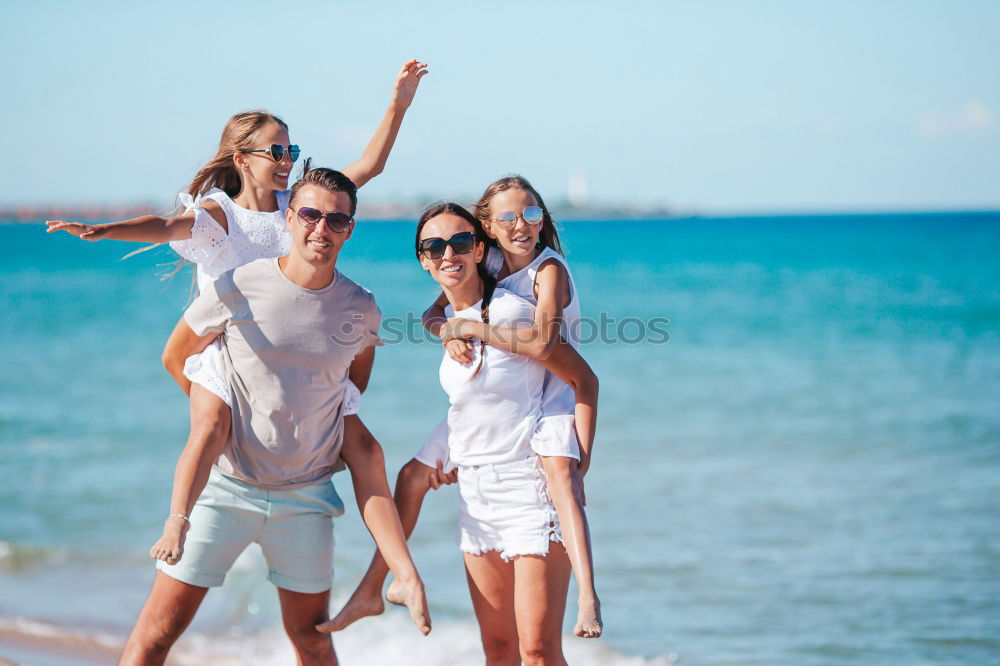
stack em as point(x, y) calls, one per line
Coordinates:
point(455, 328)
point(460, 351)
point(88, 232)
point(439, 477)
point(406, 83)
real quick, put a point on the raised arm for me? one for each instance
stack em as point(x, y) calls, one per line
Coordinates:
point(145, 229)
point(567, 364)
point(372, 161)
point(182, 343)
point(535, 340)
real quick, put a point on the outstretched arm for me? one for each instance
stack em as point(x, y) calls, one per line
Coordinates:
point(145, 229)
point(567, 364)
point(372, 161)
point(182, 343)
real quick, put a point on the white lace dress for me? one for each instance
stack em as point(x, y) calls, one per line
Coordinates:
point(252, 235)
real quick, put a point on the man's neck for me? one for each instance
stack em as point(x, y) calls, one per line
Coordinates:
point(306, 275)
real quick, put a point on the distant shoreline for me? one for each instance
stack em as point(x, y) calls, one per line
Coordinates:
point(394, 212)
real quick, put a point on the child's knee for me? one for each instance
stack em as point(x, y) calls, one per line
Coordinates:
point(413, 476)
point(211, 424)
point(559, 473)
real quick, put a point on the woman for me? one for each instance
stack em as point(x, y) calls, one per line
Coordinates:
point(516, 564)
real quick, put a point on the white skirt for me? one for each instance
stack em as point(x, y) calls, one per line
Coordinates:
point(206, 370)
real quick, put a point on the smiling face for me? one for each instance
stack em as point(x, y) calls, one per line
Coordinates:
point(259, 170)
point(319, 245)
point(521, 239)
point(452, 270)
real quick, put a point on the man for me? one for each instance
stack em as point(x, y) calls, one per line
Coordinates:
point(294, 329)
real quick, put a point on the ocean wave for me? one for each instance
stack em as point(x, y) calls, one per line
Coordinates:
point(19, 558)
point(389, 639)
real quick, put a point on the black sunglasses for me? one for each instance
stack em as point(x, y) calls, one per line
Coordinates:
point(434, 248)
point(277, 151)
point(337, 222)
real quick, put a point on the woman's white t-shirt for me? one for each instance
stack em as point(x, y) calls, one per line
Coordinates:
point(492, 416)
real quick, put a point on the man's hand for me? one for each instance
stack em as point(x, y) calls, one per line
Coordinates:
point(406, 83)
point(88, 232)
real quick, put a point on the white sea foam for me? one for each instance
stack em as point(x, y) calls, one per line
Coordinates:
point(389, 639)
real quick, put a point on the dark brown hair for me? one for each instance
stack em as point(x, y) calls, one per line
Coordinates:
point(548, 236)
point(489, 282)
point(327, 179)
point(238, 135)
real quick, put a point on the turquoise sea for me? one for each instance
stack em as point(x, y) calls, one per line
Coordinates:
point(806, 473)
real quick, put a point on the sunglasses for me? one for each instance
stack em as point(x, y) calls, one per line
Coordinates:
point(530, 215)
point(434, 248)
point(336, 222)
point(277, 151)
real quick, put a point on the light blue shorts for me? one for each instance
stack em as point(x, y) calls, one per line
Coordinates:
point(293, 527)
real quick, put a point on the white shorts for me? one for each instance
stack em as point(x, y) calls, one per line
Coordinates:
point(506, 507)
point(206, 370)
point(556, 436)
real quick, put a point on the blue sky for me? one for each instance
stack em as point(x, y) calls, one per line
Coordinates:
point(712, 106)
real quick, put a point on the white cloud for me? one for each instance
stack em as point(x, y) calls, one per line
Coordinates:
point(973, 117)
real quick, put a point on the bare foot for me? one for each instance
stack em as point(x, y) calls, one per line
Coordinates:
point(170, 546)
point(394, 595)
point(412, 596)
point(588, 620)
point(361, 604)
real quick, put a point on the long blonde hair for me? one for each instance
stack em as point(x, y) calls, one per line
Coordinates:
point(237, 136)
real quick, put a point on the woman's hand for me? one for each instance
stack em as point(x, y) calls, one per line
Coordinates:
point(406, 83)
point(87, 232)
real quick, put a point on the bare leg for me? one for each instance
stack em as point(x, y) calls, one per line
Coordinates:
point(210, 425)
point(164, 617)
point(566, 492)
point(540, 586)
point(491, 584)
point(411, 485)
point(300, 613)
point(363, 456)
